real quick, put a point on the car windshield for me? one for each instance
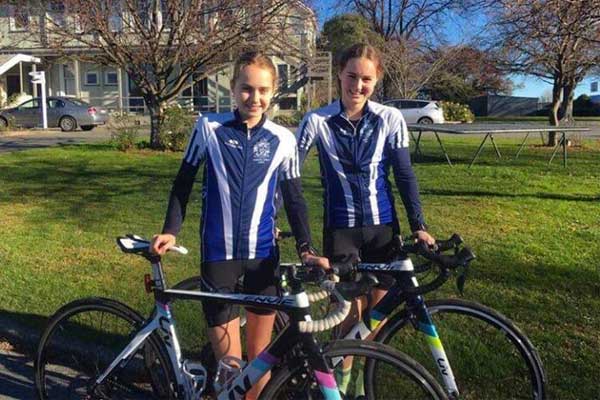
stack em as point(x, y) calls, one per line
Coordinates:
point(79, 102)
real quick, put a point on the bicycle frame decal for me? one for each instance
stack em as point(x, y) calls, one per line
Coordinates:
point(425, 325)
point(249, 376)
point(327, 385)
point(375, 319)
point(163, 323)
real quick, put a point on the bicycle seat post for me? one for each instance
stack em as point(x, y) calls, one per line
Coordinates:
point(158, 275)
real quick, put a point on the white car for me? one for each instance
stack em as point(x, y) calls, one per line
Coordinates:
point(418, 111)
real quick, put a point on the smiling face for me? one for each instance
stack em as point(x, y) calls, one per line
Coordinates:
point(357, 82)
point(253, 90)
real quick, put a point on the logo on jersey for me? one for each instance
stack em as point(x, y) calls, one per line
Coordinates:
point(261, 152)
point(233, 143)
point(366, 133)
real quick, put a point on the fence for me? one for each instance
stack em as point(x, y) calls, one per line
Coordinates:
point(137, 105)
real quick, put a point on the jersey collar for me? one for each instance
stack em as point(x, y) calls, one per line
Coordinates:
point(242, 124)
point(366, 109)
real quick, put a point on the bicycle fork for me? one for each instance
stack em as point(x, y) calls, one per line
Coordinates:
point(421, 320)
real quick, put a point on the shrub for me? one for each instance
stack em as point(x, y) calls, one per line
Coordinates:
point(288, 119)
point(125, 130)
point(176, 128)
point(457, 112)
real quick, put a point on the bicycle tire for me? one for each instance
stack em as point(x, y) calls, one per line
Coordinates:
point(294, 380)
point(485, 364)
point(75, 348)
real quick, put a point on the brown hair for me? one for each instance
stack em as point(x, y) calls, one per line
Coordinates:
point(257, 58)
point(361, 50)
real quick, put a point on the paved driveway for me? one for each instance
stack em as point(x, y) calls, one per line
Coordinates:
point(24, 140)
point(16, 374)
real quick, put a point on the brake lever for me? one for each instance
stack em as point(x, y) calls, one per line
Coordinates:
point(462, 278)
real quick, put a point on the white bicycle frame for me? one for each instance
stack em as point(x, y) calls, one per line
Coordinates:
point(165, 325)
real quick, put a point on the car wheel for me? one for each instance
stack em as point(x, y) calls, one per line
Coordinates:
point(67, 124)
point(425, 120)
point(87, 127)
point(3, 123)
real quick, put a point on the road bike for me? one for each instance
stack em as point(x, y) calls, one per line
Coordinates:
point(484, 355)
point(98, 348)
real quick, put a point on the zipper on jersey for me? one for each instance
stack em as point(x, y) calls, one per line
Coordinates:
point(356, 166)
point(243, 189)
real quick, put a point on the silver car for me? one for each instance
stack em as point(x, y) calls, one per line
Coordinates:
point(418, 111)
point(67, 113)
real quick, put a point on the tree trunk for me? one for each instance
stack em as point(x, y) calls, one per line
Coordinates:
point(156, 111)
point(566, 108)
point(554, 112)
point(387, 88)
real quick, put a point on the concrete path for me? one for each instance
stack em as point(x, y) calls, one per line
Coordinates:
point(16, 374)
point(24, 140)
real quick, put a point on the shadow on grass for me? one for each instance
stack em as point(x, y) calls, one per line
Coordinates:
point(512, 273)
point(83, 188)
point(22, 330)
point(481, 193)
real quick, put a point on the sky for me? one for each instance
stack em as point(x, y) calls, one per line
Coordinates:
point(533, 87)
point(526, 86)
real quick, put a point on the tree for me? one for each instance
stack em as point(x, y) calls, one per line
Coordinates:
point(555, 40)
point(472, 72)
point(162, 44)
point(410, 30)
point(344, 30)
point(410, 68)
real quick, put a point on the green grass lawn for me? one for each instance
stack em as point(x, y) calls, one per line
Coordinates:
point(535, 229)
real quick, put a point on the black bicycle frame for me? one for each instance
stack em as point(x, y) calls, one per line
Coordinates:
point(402, 270)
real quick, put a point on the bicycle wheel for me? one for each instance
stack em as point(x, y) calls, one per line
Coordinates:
point(397, 376)
point(489, 356)
point(83, 338)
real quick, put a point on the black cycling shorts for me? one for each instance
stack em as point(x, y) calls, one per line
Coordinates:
point(223, 276)
point(371, 244)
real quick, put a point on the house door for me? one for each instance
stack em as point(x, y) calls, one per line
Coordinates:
point(13, 85)
point(69, 80)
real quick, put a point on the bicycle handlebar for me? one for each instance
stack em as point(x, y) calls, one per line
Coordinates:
point(343, 291)
point(447, 263)
point(333, 318)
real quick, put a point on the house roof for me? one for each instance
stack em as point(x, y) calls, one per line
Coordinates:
point(7, 61)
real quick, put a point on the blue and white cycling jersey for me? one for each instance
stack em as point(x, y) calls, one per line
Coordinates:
point(355, 160)
point(241, 171)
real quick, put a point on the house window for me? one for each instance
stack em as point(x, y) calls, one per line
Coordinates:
point(111, 78)
point(92, 78)
point(19, 18)
point(594, 87)
point(56, 12)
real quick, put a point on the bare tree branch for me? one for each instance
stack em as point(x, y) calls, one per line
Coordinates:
point(164, 45)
